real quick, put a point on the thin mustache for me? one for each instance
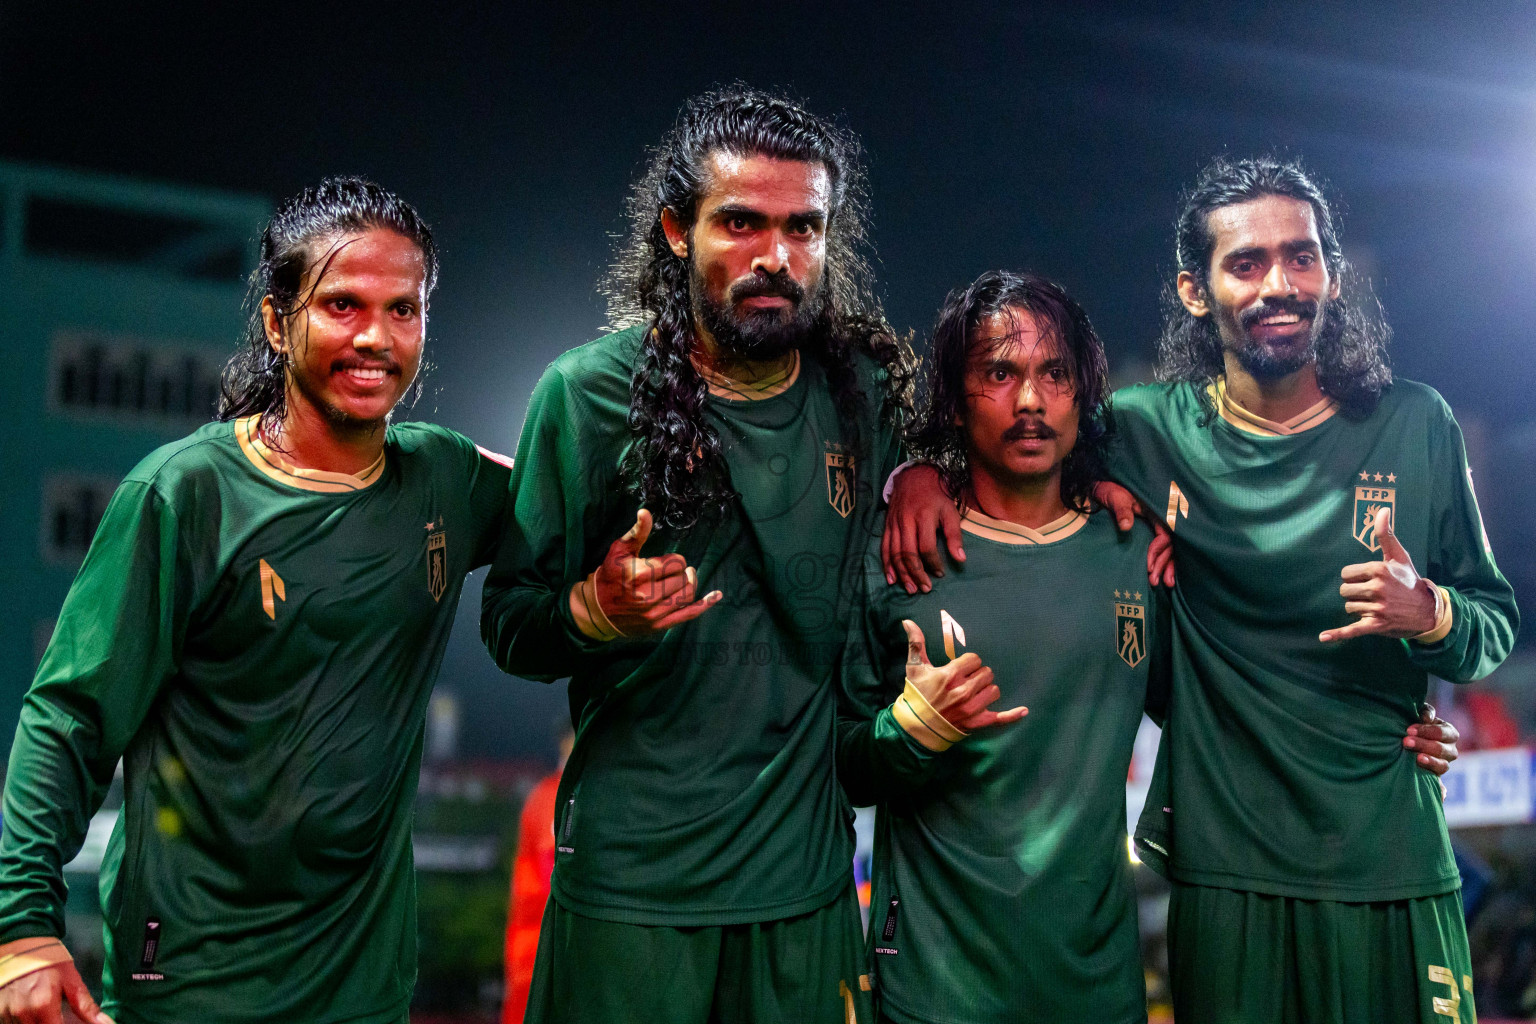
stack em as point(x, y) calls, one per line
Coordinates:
point(1019, 430)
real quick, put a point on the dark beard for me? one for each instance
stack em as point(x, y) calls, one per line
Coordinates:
point(759, 335)
point(1269, 363)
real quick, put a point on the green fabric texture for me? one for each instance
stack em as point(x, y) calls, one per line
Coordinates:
point(1240, 957)
point(1286, 772)
point(270, 757)
point(807, 969)
point(1002, 889)
point(701, 789)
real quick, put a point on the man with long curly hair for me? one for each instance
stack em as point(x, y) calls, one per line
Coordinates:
point(745, 408)
point(1305, 488)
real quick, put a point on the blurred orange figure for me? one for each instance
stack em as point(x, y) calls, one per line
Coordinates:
point(530, 887)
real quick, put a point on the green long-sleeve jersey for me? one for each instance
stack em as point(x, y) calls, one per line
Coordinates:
point(1002, 887)
point(258, 643)
point(1286, 768)
point(701, 789)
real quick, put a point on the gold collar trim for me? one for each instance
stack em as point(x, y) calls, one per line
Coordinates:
point(273, 465)
point(1005, 532)
point(1251, 423)
point(722, 386)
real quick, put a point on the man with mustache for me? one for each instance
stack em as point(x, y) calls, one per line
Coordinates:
point(703, 859)
point(1305, 488)
point(1002, 854)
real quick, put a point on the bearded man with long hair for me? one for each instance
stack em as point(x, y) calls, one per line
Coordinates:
point(728, 434)
point(1307, 490)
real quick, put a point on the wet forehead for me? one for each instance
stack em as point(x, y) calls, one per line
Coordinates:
point(377, 258)
point(766, 184)
point(1269, 222)
point(1013, 336)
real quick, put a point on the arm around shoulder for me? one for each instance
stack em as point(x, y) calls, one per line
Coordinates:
point(558, 480)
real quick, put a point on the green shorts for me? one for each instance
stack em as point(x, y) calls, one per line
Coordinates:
point(799, 970)
point(1246, 958)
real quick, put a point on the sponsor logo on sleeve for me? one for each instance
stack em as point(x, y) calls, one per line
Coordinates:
point(151, 950)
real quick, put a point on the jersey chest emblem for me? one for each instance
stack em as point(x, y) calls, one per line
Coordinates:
point(954, 633)
point(1130, 628)
point(1370, 498)
point(840, 480)
point(272, 588)
point(1178, 505)
point(437, 563)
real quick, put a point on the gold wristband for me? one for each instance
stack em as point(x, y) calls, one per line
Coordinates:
point(1442, 627)
point(923, 722)
point(26, 956)
point(588, 612)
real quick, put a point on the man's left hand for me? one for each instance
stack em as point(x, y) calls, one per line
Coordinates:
point(1122, 504)
point(1390, 597)
point(1433, 741)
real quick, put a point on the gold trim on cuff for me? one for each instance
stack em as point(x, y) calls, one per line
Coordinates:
point(923, 722)
point(588, 613)
point(1442, 627)
point(27, 956)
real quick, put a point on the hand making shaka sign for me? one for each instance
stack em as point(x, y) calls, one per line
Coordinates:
point(944, 704)
point(630, 596)
point(1390, 597)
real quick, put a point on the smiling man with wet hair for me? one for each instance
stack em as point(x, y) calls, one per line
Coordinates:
point(255, 633)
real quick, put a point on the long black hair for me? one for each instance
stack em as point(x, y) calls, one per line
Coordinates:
point(675, 465)
point(938, 437)
point(300, 240)
point(1352, 365)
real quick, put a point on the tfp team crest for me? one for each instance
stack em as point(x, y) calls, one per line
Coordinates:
point(437, 564)
point(840, 481)
point(1130, 629)
point(1370, 499)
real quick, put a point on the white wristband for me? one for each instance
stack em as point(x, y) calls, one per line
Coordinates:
point(890, 481)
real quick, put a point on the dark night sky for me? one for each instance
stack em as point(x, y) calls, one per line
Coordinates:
point(1053, 137)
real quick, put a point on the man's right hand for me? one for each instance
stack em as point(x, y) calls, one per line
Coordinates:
point(919, 509)
point(37, 998)
point(646, 595)
point(942, 705)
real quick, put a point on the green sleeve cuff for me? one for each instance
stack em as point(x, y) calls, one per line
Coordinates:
point(902, 758)
point(577, 640)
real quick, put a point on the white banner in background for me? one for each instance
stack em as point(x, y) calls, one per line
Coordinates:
point(1483, 787)
point(1489, 787)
